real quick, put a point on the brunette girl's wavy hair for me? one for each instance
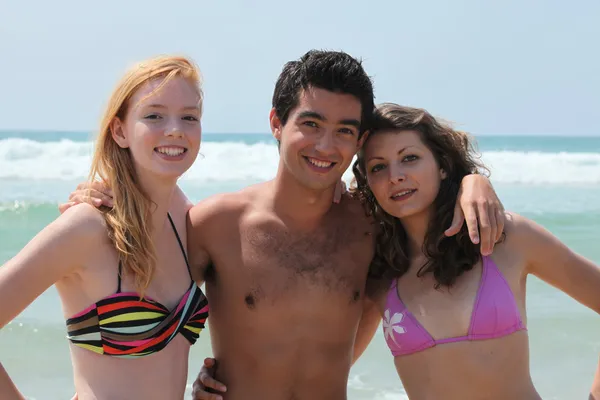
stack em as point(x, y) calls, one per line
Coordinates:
point(447, 257)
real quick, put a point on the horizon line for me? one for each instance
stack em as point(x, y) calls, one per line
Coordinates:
point(50, 131)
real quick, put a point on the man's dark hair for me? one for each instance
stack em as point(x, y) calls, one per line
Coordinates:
point(334, 71)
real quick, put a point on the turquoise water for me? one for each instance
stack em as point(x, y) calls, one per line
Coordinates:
point(553, 180)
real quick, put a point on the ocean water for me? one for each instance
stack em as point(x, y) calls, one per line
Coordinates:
point(553, 180)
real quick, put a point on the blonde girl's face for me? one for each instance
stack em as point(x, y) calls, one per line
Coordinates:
point(162, 128)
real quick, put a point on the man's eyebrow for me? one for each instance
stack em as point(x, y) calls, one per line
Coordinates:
point(312, 114)
point(352, 122)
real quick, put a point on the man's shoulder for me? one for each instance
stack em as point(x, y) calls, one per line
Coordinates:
point(224, 205)
point(353, 207)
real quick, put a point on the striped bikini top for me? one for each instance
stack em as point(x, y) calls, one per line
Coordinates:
point(123, 325)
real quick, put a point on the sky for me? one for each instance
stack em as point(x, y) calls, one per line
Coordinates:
point(509, 67)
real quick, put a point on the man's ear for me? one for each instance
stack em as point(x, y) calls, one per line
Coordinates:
point(362, 140)
point(118, 134)
point(276, 125)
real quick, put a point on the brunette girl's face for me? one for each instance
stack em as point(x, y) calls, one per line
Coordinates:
point(402, 172)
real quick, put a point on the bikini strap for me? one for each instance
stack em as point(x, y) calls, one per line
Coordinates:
point(485, 263)
point(180, 245)
point(393, 290)
point(119, 278)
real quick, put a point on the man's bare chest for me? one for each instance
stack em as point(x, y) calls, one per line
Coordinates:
point(272, 264)
point(339, 251)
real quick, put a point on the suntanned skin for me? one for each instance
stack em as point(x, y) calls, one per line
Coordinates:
point(469, 369)
point(493, 369)
point(285, 271)
point(285, 302)
point(286, 268)
point(444, 371)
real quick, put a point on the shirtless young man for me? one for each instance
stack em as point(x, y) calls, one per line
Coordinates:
point(286, 268)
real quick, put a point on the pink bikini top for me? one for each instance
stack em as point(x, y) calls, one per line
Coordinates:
point(495, 314)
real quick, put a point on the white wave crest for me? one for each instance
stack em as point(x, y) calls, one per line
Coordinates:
point(543, 168)
point(236, 161)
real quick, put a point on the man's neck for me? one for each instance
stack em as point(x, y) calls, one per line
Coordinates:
point(298, 205)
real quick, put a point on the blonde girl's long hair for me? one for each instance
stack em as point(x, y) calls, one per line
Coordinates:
point(128, 221)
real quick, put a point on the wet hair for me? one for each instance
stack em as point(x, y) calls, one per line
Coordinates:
point(447, 257)
point(334, 71)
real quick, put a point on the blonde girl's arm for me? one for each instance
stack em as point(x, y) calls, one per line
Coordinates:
point(60, 248)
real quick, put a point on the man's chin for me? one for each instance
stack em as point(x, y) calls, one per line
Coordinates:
point(317, 182)
point(320, 186)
